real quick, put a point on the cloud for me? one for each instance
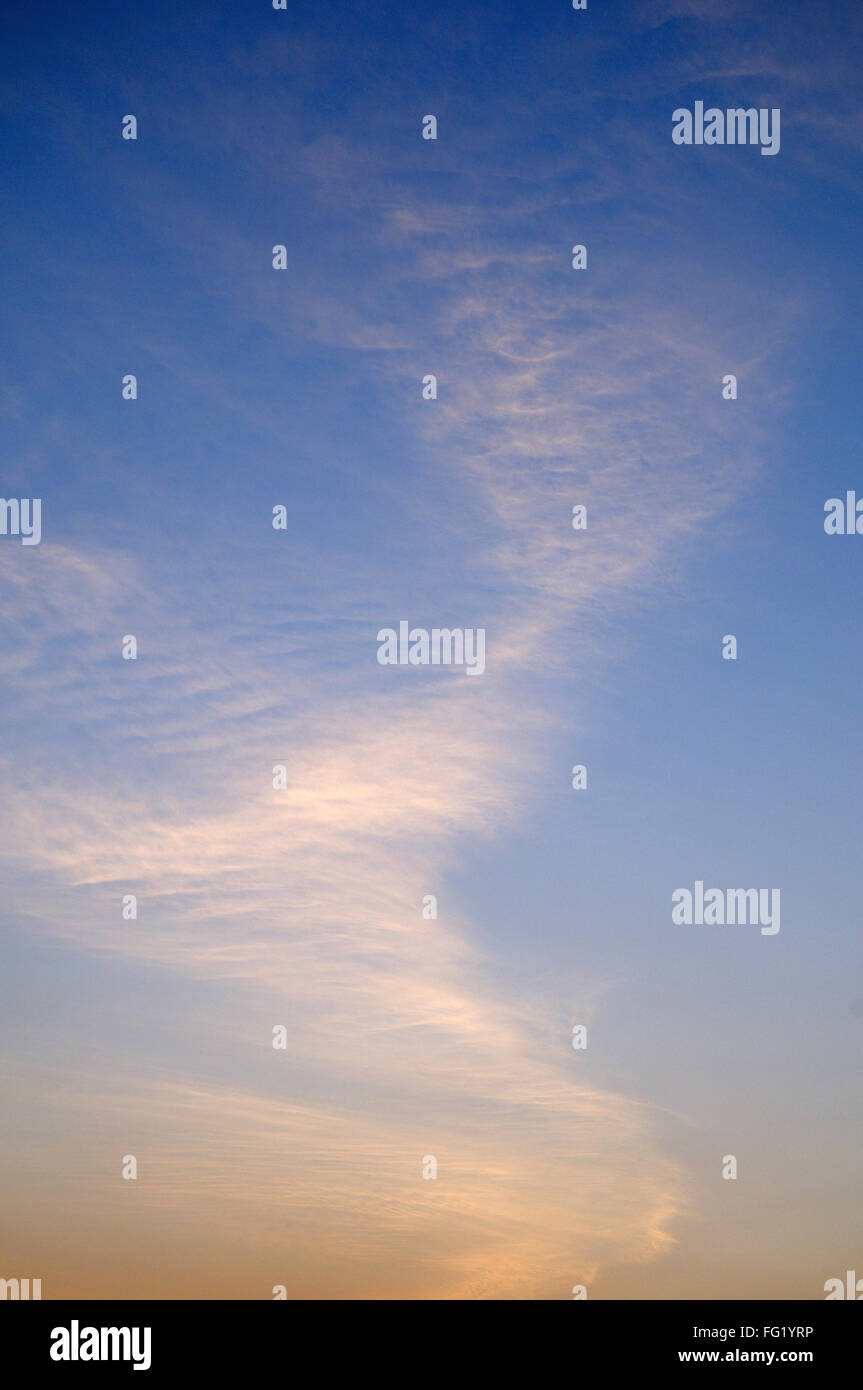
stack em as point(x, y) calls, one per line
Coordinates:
point(521, 1206)
point(309, 900)
point(306, 903)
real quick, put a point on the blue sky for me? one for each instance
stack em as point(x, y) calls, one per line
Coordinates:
point(303, 908)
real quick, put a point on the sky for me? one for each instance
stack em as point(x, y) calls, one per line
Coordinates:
point(411, 1037)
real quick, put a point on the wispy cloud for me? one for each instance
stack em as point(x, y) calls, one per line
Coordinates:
point(308, 900)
